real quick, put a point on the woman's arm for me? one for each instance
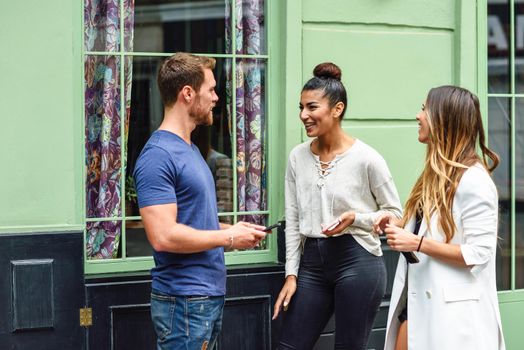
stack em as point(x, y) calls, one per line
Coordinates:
point(293, 241)
point(477, 202)
point(402, 240)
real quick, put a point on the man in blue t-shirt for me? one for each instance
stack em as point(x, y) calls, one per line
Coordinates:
point(176, 195)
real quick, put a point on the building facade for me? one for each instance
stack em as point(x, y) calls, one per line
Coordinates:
point(73, 254)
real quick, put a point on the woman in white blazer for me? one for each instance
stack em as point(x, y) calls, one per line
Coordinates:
point(448, 300)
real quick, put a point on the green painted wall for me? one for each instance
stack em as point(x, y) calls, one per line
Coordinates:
point(391, 53)
point(40, 110)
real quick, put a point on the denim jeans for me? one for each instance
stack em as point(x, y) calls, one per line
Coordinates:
point(186, 323)
point(336, 275)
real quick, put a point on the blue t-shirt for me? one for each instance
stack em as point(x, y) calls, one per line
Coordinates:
point(169, 170)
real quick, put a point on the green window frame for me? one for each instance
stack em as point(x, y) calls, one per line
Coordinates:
point(272, 145)
point(514, 290)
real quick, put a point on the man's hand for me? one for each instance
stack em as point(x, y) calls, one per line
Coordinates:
point(284, 298)
point(244, 235)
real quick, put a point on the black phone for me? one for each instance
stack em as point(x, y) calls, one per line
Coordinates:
point(270, 228)
point(410, 257)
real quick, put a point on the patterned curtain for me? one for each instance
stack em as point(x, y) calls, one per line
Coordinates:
point(250, 114)
point(103, 141)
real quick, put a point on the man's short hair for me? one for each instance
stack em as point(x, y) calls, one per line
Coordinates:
point(180, 70)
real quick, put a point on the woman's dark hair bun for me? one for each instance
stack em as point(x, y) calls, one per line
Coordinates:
point(327, 70)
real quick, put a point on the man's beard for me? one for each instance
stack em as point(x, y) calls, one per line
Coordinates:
point(200, 115)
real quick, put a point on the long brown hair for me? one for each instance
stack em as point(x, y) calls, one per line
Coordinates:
point(455, 131)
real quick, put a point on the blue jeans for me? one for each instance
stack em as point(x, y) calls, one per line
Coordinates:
point(186, 323)
point(336, 275)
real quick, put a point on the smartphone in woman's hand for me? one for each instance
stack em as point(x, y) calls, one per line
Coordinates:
point(330, 226)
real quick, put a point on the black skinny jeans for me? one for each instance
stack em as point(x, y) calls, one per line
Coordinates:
point(336, 275)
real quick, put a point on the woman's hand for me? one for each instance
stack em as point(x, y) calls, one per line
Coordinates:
point(383, 219)
point(346, 219)
point(284, 298)
point(401, 240)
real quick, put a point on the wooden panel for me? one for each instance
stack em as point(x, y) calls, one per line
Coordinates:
point(376, 339)
point(42, 286)
point(246, 324)
point(512, 314)
point(387, 71)
point(424, 13)
point(110, 299)
point(33, 299)
point(131, 324)
point(121, 310)
point(326, 340)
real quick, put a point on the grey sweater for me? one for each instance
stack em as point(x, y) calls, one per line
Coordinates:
point(357, 180)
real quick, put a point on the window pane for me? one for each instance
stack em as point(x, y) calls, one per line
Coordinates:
point(102, 239)
point(102, 136)
point(499, 134)
point(214, 142)
point(101, 25)
point(146, 110)
point(498, 46)
point(519, 47)
point(251, 29)
point(226, 219)
point(146, 113)
point(519, 192)
point(136, 240)
point(251, 134)
point(196, 26)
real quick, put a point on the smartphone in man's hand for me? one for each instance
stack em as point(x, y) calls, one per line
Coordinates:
point(271, 227)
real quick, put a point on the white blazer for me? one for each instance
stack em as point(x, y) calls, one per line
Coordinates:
point(450, 307)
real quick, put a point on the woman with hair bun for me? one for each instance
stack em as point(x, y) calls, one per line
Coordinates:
point(448, 298)
point(336, 187)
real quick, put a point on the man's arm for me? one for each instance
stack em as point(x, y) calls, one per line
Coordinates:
point(166, 235)
point(224, 226)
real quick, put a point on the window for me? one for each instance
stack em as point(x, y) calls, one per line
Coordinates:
point(506, 133)
point(123, 107)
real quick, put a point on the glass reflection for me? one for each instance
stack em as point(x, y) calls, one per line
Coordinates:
point(519, 193)
point(196, 26)
point(498, 46)
point(146, 113)
point(499, 139)
point(136, 240)
point(519, 47)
